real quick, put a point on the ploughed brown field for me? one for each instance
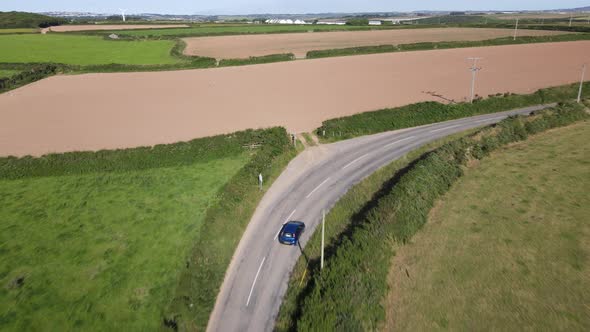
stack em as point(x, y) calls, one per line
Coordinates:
point(106, 111)
point(92, 27)
point(234, 47)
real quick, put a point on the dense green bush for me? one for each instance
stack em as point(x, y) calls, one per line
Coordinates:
point(257, 60)
point(431, 112)
point(33, 73)
point(360, 264)
point(223, 227)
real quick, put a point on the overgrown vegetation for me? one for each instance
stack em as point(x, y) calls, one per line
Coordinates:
point(444, 45)
point(431, 112)
point(360, 264)
point(526, 211)
point(21, 77)
point(28, 20)
point(257, 60)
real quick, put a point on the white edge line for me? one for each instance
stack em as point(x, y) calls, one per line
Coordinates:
point(398, 141)
point(354, 161)
point(289, 217)
point(316, 188)
point(255, 279)
point(453, 126)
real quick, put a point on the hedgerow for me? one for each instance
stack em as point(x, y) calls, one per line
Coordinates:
point(431, 112)
point(347, 294)
point(257, 60)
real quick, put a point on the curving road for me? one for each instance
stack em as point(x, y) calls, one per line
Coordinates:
point(256, 279)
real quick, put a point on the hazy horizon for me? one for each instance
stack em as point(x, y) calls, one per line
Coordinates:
point(245, 7)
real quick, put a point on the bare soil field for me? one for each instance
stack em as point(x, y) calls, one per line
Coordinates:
point(234, 47)
point(106, 111)
point(93, 27)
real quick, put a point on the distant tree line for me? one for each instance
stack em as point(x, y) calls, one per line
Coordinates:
point(10, 20)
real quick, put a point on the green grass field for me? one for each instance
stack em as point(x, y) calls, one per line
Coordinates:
point(83, 50)
point(101, 251)
point(7, 73)
point(238, 29)
point(10, 31)
point(508, 247)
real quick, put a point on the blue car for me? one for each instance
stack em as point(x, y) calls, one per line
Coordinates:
point(291, 232)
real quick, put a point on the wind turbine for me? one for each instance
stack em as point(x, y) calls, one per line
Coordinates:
point(122, 13)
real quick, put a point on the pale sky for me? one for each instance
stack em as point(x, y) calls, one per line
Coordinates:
point(278, 6)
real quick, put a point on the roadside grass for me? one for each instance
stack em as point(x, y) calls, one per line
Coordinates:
point(308, 139)
point(6, 73)
point(83, 50)
point(101, 250)
point(342, 219)
point(507, 247)
point(18, 31)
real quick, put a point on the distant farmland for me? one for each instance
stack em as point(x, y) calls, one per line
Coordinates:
point(227, 47)
point(105, 111)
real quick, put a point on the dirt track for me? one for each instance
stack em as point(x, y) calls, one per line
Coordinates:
point(93, 27)
point(98, 111)
point(231, 47)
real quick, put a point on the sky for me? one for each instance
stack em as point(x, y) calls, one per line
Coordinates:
point(278, 6)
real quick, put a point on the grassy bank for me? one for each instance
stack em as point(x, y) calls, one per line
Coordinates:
point(525, 209)
point(431, 112)
point(360, 264)
point(6, 73)
point(343, 218)
point(104, 240)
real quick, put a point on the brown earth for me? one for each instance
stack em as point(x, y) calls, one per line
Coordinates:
point(233, 47)
point(106, 111)
point(93, 27)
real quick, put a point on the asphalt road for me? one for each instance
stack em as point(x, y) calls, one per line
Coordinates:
point(256, 280)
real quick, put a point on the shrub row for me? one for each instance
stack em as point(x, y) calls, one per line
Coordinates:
point(444, 45)
point(163, 155)
point(361, 262)
point(223, 227)
point(431, 112)
point(257, 60)
point(31, 74)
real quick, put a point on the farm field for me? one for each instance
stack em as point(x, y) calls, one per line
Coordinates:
point(229, 47)
point(83, 50)
point(101, 251)
point(165, 107)
point(508, 245)
point(227, 29)
point(97, 27)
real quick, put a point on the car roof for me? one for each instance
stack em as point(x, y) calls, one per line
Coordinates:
point(292, 226)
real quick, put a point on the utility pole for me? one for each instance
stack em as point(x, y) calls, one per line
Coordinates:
point(323, 227)
point(474, 69)
point(581, 83)
point(571, 18)
point(515, 29)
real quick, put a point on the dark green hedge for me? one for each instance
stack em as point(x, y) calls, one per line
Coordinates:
point(163, 155)
point(347, 294)
point(431, 112)
point(32, 73)
point(257, 60)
